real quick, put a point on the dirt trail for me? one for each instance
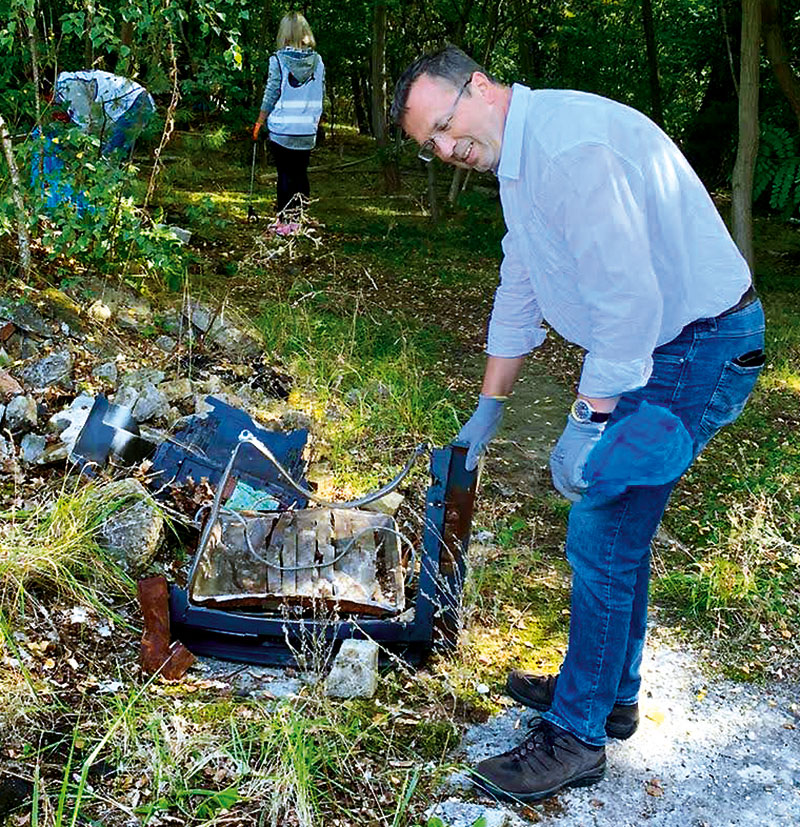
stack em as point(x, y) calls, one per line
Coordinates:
point(533, 421)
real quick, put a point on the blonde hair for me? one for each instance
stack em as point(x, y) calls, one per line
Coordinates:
point(294, 31)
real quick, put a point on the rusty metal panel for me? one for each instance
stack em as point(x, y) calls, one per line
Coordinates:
point(346, 558)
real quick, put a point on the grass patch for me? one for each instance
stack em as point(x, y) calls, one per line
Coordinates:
point(53, 549)
point(737, 512)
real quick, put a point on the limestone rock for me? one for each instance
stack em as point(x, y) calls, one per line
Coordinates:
point(31, 448)
point(130, 310)
point(28, 348)
point(201, 316)
point(176, 390)
point(355, 670)
point(54, 453)
point(150, 404)
point(25, 316)
point(166, 343)
point(387, 504)
point(133, 533)
point(21, 414)
point(126, 397)
point(139, 378)
point(69, 422)
point(456, 813)
point(106, 372)
point(54, 369)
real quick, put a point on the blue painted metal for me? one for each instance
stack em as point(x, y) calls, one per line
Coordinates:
point(254, 637)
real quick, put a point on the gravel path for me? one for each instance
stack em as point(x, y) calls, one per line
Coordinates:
point(713, 754)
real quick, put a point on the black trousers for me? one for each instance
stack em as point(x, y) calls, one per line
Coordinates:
point(292, 167)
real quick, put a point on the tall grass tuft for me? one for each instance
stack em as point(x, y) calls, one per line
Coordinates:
point(53, 548)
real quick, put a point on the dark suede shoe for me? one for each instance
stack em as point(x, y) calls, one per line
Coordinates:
point(537, 691)
point(549, 759)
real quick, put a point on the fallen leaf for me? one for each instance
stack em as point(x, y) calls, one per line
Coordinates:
point(653, 787)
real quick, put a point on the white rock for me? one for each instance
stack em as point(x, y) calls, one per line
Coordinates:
point(99, 312)
point(455, 813)
point(133, 533)
point(31, 448)
point(21, 414)
point(79, 614)
point(387, 504)
point(354, 673)
point(106, 371)
point(69, 422)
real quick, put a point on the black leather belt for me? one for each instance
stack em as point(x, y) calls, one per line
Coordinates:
point(748, 297)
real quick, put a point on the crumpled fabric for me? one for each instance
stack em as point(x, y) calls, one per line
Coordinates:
point(649, 447)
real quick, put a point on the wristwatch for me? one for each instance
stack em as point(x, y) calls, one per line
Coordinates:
point(582, 411)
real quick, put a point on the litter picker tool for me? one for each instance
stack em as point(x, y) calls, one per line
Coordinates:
point(252, 215)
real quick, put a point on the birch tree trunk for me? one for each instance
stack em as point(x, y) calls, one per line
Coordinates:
point(16, 194)
point(742, 204)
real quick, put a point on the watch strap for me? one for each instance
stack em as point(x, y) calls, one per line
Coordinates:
point(580, 408)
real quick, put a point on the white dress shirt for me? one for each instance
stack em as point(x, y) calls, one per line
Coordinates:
point(612, 237)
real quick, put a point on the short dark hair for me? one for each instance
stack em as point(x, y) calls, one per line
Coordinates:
point(449, 63)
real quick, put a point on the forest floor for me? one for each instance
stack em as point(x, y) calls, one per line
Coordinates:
point(378, 314)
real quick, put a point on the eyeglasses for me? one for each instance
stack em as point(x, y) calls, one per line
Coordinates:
point(427, 151)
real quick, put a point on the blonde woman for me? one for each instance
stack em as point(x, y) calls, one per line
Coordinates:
point(291, 108)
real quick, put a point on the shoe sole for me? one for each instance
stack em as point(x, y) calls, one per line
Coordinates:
point(584, 780)
point(619, 733)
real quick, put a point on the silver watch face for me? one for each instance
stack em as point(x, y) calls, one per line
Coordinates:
point(581, 410)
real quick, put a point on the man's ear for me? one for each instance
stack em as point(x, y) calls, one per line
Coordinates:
point(484, 87)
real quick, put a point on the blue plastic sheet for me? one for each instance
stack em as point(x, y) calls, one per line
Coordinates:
point(649, 447)
point(55, 182)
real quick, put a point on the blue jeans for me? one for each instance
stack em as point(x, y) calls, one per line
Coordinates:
point(701, 377)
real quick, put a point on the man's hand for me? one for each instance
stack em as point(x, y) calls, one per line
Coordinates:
point(568, 458)
point(257, 129)
point(481, 428)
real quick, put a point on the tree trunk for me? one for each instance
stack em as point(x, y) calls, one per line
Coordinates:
point(391, 171)
point(456, 184)
point(656, 109)
point(742, 205)
point(779, 55)
point(379, 74)
point(358, 104)
point(16, 194)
